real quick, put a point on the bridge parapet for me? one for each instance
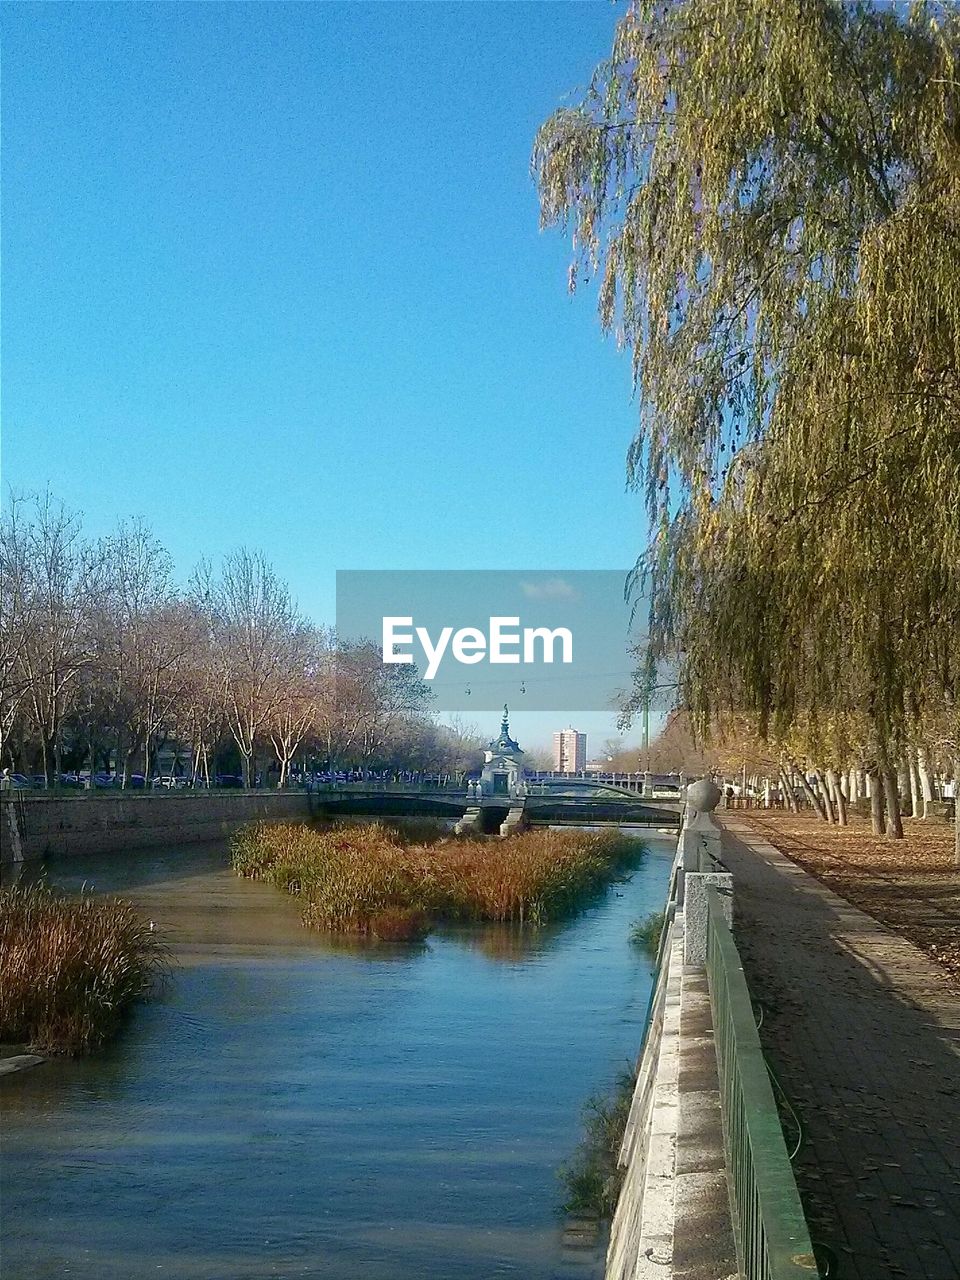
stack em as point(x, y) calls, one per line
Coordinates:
point(375, 787)
point(551, 805)
point(708, 1189)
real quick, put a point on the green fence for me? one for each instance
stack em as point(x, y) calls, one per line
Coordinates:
point(771, 1233)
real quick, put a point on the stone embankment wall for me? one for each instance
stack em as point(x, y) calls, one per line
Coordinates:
point(672, 1220)
point(34, 826)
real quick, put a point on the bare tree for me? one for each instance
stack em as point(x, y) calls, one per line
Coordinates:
point(540, 759)
point(19, 615)
point(464, 745)
point(200, 715)
point(48, 641)
point(254, 631)
point(366, 702)
point(301, 695)
point(145, 638)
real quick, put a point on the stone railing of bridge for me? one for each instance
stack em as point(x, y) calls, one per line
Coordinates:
point(417, 787)
point(708, 1189)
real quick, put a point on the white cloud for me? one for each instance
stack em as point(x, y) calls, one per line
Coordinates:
point(551, 589)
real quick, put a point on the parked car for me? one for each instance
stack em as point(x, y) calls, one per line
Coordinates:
point(228, 780)
point(20, 782)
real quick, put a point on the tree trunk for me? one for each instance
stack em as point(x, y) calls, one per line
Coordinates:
point(824, 794)
point(892, 797)
point(839, 799)
point(926, 785)
point(915, 784)
point(247, 770)
point(127, 770)
point(956, 810)
point(809, 792)
point(786, 786)
point(906, 788)
point(841, 806)
point(876, 802)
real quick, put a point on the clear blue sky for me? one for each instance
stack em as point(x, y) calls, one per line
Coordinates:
point(273, 276)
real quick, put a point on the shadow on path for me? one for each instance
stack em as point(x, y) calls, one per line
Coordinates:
point(863, 1033)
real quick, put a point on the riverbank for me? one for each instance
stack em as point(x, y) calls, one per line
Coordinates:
point(36, 825)
point(911, 885)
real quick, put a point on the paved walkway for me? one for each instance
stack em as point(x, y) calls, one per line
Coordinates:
point(864, 1036)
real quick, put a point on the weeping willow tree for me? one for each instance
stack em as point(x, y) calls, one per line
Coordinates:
point(767, 197)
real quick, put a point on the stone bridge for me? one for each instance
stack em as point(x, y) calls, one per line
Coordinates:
point(550, 802)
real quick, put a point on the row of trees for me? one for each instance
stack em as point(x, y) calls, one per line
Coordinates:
point(789, 767)
point(769, 197)
point(104, 660)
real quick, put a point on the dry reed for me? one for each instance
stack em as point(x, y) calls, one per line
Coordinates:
point(349, 876)
point(70, 967)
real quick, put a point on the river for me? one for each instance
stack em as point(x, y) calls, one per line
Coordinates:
point(291, 1105)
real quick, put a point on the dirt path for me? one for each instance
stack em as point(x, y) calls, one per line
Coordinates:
point(863, 1032)
point(910, 885)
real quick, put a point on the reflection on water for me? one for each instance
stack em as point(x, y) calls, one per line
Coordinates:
point(293, 1105)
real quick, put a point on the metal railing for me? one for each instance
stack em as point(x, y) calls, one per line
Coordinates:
point(772, 1239)
point(377, 787)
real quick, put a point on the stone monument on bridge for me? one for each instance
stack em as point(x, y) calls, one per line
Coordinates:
point(502, 764)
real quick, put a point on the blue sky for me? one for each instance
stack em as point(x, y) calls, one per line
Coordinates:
point(273, 277)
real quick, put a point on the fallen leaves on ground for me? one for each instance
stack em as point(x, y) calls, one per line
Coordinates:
point(911, 885)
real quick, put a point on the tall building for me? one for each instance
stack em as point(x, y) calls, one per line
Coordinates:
point(569, 751)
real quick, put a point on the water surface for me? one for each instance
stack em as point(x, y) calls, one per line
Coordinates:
point(292, 1105)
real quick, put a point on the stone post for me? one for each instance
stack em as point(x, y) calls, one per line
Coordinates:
point(695, 912)
point(699, 831)
point(699, 855)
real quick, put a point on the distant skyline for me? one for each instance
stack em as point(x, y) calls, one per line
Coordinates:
point(273, 276)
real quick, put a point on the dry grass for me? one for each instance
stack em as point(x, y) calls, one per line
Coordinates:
point(356, 878)
point(593, 1178)
point(399, 924)
point(910, 885)
point(646, 933)
point(70, 967)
